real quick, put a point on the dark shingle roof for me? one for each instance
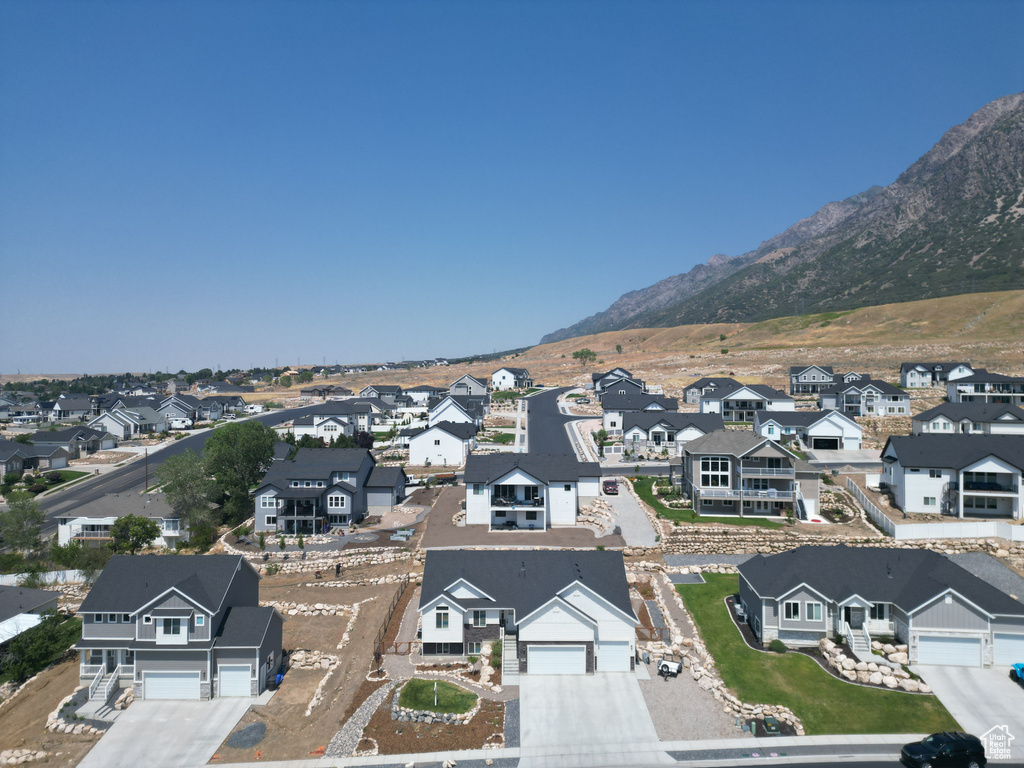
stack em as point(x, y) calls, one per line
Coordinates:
point(15, 601)
point(705, 422)
point(386, 477)
point(151, 505)
point(526, 579)
point(794, 418)
point(763, 390)
point(9, 448)
point(711, 381)
point(955, 451)
point(727, 441)
point(612, 401)
point(389, 388)
point(976, 412)
point(462, 431)
point(907, 578)
point(514, 371)
point(796, 370)
point(130, 581)
point(315, 462)
point(244, 626)
point(982, 376)
point(548, 468)
point(68, 435)
point(941, 367)
point(861, 384)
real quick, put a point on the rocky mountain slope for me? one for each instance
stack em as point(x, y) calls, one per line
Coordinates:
point(951, 223)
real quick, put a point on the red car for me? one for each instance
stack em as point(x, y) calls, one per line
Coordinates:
point(611, 487)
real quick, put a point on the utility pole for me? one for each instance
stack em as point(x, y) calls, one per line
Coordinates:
point(146, 486)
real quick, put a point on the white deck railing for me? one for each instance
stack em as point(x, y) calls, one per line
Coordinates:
point(95, 684)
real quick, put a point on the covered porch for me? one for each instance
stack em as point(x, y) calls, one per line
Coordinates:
point(517, 507)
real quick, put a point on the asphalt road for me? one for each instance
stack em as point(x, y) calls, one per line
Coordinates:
point(546, 424)
point(132, 477)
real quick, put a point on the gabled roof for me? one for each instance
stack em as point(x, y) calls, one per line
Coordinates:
point(312, 463)
point(645, 420)
point(908, 578)
point(517, 372)
point(861, 384)
point(463, 431)
point(714, 383)
point(63, 436)
point(979, 413)
point(9, 448)
point(547, 468)
point(471, 378)
point(981, 376)
point(798, 418)
point(425, 388)
point(152, 505)
point(731, 442)
point(129, 582)
point(245, 626)
point(612, 401)
point(955, 451)
point(761, 390)
point(796, 370)
point(524, 580)
point(621, 372)
point(384, 388)
point(937, 367)
point(15, 601)
point(386, 477)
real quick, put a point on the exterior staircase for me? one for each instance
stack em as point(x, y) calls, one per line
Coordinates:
point(509, 661)
point(860, 643)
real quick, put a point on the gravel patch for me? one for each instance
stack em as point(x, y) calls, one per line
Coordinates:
point(511, 725)
point(248, 737)
point(987, 568)
point(686, 578)
point(636, 527)
point(344, 742)
point(683, 711)
point(679, 561)
point(655, 613)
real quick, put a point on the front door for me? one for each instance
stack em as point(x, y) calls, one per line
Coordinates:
point(110, 660)
point(854, 617)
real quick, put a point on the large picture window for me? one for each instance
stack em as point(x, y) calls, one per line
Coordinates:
point(714, 472)
point(441, 618)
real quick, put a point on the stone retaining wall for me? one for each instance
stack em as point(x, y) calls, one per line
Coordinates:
point(406, 715)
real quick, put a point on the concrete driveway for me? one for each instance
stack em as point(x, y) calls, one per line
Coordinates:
point(979, 698)
point(636, 528)
point(167, 734)
point(592, 720)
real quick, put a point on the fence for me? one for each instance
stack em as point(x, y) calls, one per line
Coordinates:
point(379, 646)
point(45, 577)
point(967, 529)
point(654, 634)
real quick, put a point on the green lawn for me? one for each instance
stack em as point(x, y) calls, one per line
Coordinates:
point(419, 694)
point(502, 438)
point(825, 704)
point(643, 487)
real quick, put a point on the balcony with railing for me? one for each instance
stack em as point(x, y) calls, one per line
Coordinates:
point(759, 470)
point(769, 494)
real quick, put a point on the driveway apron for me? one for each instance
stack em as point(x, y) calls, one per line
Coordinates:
point(979, 698)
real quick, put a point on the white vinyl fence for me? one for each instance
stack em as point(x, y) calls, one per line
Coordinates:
point(45, 577)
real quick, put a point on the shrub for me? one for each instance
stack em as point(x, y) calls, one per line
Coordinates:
point(496, 654)
point(777, 646)
point(36, 488)
point(725, 351)
point(11, 478)
point(54, 477)
point(273, 568)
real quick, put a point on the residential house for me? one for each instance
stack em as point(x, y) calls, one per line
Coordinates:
point(554, 612)
point(458, 409)
point(12, 457)
point(90, 523)
point(970, 418)
point(603, 382)
point(913, 375)
point(70, 407)
point(326, 428)
point(228, 403)
point(424, 393)
point(385, 392)
point(985, 387)
point(743, 402)
point(960, 475)
point(468, 385)
point(129, 423)
point(810, 379)
point(510, 378)
point(943, 613)
point(385, 489)
point(46, 457)
point(865, 397)
point(444, 444)
point(741, 473)
point(317, 489)
point(616, 406)
point(22, 608)
point(527, 490)
point(708, 385)
point(818, 430)
point(622, 386)
point(77, 441)
point(666, 430)
point(185, 627)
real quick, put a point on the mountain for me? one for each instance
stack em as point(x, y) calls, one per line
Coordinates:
point(952, 223)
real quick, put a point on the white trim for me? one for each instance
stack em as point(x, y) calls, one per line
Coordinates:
point(561, 602)
point(468, 583)
point(601, 598)
point(949, 591)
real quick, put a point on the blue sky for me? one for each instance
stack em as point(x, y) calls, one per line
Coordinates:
point(189, 184)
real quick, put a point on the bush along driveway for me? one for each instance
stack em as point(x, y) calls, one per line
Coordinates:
point(825, 704)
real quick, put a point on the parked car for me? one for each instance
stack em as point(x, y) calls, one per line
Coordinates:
point(1017, 672)
point(670, 665)
point(944, 749)
point(611, 487)
point(180, 423)
point(230, 415)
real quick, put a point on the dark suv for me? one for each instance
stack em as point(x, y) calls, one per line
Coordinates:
point(955, 750)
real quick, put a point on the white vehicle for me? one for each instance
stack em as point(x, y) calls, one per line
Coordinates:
point(179, 423)
point(670, 665)
point(254, 408)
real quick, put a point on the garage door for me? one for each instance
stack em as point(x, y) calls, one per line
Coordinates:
point(826, 443)
point(1008, 649)
point(170, 685)
point(556, 660)
point(949, 651)
point(613, 656)
point(234, 680)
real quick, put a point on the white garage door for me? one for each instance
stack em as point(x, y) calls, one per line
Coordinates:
point(613, 656)
point(949, 651)
point(170, 685)
point(557, 660)
point(234, 680)
point(1009, 649)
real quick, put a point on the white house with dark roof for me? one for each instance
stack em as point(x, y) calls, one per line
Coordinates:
point(985, 387)
point(818, 430)
point(527, 490)
point(958, 475)
point(970, 418)
point(865, 397)
point(915, 375)
point(554, 612)
point(386, 392)
point(458, 409)
point(77, 441)
point(22, 608)
point(324, 427)
point(510, 378)
point(946, 615)
point(422, 394)
point(184, 627)
point(128, 423)
point(666, 430)
point(89, 524)
point(616, 406)
point(695, 391)
point(444, 444)
point(743, 402)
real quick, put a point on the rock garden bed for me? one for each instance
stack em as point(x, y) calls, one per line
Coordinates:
point(394, 737)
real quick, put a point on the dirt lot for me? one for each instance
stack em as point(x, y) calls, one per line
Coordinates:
point(396, 738)
point(290, 733)
point(23, 720)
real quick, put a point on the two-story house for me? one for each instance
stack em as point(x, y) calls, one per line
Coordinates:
point(742, 403)
point(865, 397)
point(468, 385)
point(818, 430)
point(741, 473)
point(810, 379)
point(443, 444)
point(89, 524)
point(616, 406)
point(184, 627)
point(77, 441)
point(666, 430)
point(615, 380)
point(535, 491)
point(970, 418)
point(985, 387)
point(385, 392)
point(510, 378)
point(553, 612)
point(422, 394)
point(695, 391)
point(915, 375)
point(458, 409)
point(963, 475)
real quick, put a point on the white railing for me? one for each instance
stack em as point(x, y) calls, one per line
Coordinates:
point(95, 684)
point(980, 529)
point(745, 493)
point(89, 669)
point(112, 683)
point(746, 469)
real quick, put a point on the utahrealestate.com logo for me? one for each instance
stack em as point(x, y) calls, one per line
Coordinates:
point(997, 743)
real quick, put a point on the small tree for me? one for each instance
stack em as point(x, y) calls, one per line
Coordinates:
point(584, 356)
point(263, 542)
point(301, 543)
point(131, 533)
point(618, 348)
point(22, 522)
point(281, 544)
point(602, 436)
point(365, 440)
point(285, 381)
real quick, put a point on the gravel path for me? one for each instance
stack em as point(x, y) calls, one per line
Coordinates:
point(345, 741)
point(673, 607)
point(512, 723)
point(655, 613)
point(989, 569)
point(636, 528)
point(679, 561)
point(683, 711)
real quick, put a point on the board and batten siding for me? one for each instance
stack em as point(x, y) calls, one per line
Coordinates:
point(1010, 625)
point(955, 615)
point(610, 625)
point(749, 599)
point(243, 656)
point(555, 623)
point(431, 634)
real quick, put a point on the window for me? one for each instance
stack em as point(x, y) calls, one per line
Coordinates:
point(714, 472)
point(791, 611)
point(934, 473)
point(613, 424)
point(147, 619)
point(706, 502)
point(479, 618)
point(771, 430)
point(127, 619)
point(929, 501)
point(268, 502)
point(271, 521)
point(437, 442)
point(441, 618)
point(531, 514)
point(99, 618)
point(879, 611)
point(813, 611)
point(727, 503)
point(172, 626)
point(568, 487)
point(474, 647)
point(499, 513)
point(336, 502)
point(200, 621)
point(319, 483)
point(478, 489)
point(309, 484)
